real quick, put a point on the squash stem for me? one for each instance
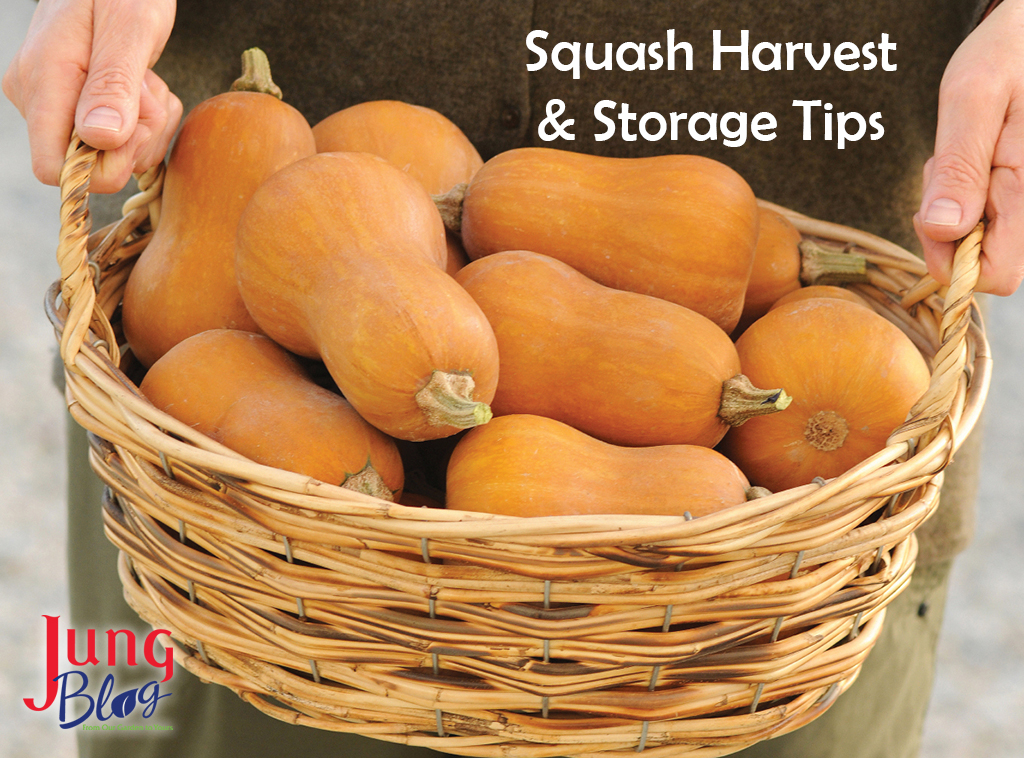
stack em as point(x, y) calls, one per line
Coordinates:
point(741, 401)
point(369, 482)
point(447, 400)
point(820, 264)
point(256, 75)
point(450, 207)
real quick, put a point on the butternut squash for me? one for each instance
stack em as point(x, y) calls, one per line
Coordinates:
point(776, 269)
point(418, 140)
point(679, 227)
point(626, 368)
point(341, 256)
point(784, 260)
point(246, 392)
point(525, 465)
point(184, 281)
point(853, 376)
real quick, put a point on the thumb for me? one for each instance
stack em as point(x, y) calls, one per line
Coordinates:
point(970, 117)
point(956, 188)
point(108, 106)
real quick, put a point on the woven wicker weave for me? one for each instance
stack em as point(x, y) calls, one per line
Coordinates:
point(487, 636)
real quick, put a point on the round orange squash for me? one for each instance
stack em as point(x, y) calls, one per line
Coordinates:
point(626, 368)
point(246, 392)
point(183, 283)
point(679, 227)
point(853, 376)
point(819, 290)
point(525, 465)
point(341, 256)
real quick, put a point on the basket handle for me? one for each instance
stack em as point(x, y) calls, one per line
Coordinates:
point(932, 409)
point(79, 276)
point(77, 285)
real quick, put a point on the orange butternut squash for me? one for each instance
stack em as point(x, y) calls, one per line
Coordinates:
point(246, 392)
point(418, 140)
point(784, 261)
point(776, 269)
point(341, 256)
point(853, 376)
point(626, 368)
point(184, 281)
point(679, 227)
point(525, 465)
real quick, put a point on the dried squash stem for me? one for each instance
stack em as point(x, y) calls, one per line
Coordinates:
point(447, 400)
point(369, 482)
point(450, 207)
point(256, 75)
point(822, 264)
point(741, 401)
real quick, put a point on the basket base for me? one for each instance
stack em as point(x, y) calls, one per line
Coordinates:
point(297, 697)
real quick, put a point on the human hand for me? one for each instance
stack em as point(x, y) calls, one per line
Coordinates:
point(85, 64)
point(978, 165)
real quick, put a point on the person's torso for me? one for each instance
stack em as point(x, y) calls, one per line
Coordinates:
point(468, 59)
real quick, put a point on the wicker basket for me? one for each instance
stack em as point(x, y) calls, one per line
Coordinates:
point(487, 636)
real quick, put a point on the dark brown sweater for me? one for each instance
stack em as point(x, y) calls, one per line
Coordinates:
point(468, 59)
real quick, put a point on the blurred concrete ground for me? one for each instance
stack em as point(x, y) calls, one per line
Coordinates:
point(32, 564)
point(979, 694)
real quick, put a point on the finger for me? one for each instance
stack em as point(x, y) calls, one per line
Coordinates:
point(127, 38)
point(1002, 257)
point(159, 114)
point(160, 111)
point(50, 123)
point(44, 87)
point(970, 116)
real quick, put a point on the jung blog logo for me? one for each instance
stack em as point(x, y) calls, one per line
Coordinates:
point(106, 703)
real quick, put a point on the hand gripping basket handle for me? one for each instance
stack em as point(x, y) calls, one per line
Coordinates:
point(79, 286)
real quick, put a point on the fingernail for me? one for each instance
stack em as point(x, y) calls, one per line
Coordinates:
point(944, 212)
point(103, 117)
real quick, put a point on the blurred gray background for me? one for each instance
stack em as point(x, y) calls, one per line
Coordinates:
point(979, 696)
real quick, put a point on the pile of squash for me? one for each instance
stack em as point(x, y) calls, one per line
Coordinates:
point(368, 303)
